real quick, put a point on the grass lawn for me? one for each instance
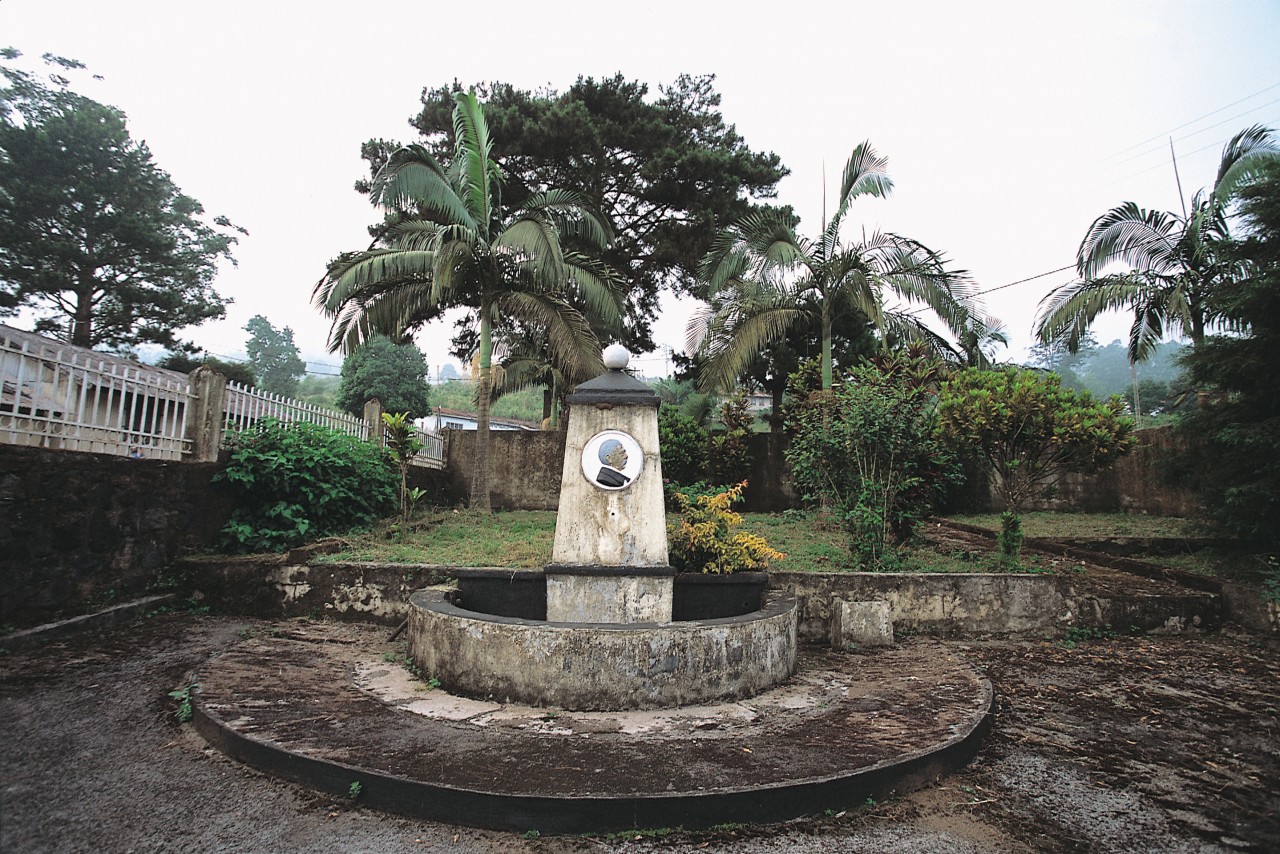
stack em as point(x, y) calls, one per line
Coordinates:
point(1093, 525)
point(523, 539)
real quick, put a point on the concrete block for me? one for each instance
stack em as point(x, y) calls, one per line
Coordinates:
point(861, 624)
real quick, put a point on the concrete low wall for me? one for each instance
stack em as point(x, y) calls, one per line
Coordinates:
point(976, 604)
point(948, 604)
point(944, 605)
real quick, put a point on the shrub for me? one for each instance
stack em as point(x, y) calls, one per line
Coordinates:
point(866, 450)
point(1031, 431)
point(292, 482)
point(728, 458)
point(683, 444)
point(704, 540)
point(1030, 428)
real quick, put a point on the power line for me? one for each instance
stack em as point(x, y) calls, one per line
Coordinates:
point(1170, 131)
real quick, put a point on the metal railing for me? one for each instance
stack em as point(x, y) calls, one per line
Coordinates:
point(64, 397)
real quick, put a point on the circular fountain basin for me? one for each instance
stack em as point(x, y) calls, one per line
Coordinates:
point(612, 666)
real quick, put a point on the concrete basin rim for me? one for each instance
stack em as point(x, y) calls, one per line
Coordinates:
point(434, 599)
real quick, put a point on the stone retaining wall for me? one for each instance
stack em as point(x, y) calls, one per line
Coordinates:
point(79, 529)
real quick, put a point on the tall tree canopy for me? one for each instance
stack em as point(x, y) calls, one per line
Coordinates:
point(1175, 262)
point(764, 280)
point(95, 238)
point(1238, 430)
point(274, 356)
point(395, 374)
point(664, 172)
point(458, 243)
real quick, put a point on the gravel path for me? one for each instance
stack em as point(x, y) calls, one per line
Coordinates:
point(1138, 744)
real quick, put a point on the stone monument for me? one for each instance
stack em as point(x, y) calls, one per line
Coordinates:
point(609, 558)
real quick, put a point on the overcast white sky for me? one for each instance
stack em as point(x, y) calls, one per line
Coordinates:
point(1009, 126)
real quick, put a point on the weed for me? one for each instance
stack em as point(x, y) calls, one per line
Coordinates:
point(183, 696)
point(728, 826)
point(244, 633)
point(1081, 634)
point(531, 834)
point(643, 833)
point(869, 802)
point(1271, 583)
point(354, 790)
point(162, 583)
point(101, 599)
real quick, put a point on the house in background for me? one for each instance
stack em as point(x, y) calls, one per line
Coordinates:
point(452, 419)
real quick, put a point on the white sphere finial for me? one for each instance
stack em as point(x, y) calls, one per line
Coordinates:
point(616, 357)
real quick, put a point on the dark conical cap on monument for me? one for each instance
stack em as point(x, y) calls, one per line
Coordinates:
point(615, 386)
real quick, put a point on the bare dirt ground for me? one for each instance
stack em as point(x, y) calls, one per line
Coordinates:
point(1127, 744)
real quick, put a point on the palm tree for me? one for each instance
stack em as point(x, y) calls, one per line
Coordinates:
point(763, 280)
point(1176, 262)
point(454, 245)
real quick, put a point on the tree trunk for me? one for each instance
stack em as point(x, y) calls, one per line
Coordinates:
point(480, 475)
point(82, 323)
point(826, 345)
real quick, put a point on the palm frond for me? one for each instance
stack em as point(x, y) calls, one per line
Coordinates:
point(865, 174)
point(477, 173)
point(570, 340)
point(1146, 240)
point(730, 349)
point(412, 179)
point(1244, 158)
point(1067, 311)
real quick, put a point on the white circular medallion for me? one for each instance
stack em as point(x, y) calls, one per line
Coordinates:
point(612, 459)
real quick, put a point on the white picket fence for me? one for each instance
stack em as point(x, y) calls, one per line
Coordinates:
point(247, 406)
point(55, 395)
point(58, 396)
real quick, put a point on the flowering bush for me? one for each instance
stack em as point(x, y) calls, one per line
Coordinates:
point(704, 541)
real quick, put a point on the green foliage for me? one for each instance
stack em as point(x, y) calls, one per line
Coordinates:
point(299, 481)
point(395, 374)
point(453, 240)
point(274, 356)
point(867, 449)
point(728, 457)
point(1076, 635)
point(460, 396)
point(764, 280)
point(661, 169)
point(683, 443)
point(1236, 468)
point(403, 445)
point(321, 391)
point(1029, 428)
point(704, 539)
point(1177, 263)
point(95, 238)
point(1010, 537)
point(186, 363)
point(183, 695)
point(355, 790)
